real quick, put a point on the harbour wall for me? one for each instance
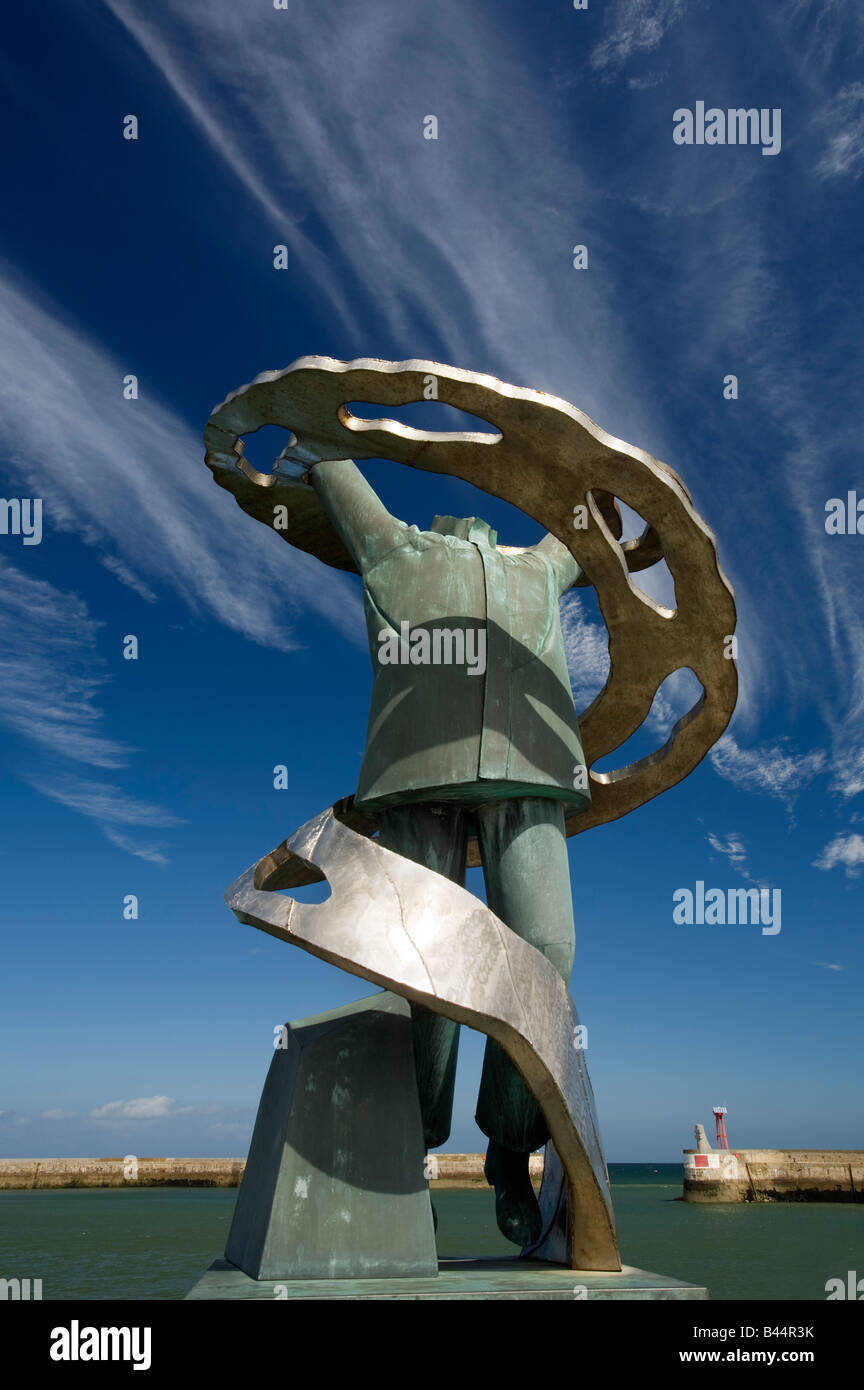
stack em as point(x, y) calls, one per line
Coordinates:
point(774, 1175)
point(120, 1172)
point(442, 1170)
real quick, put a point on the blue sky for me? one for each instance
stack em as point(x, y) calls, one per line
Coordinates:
point(154, 777)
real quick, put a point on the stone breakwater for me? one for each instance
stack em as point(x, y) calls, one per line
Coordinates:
point(442, 1170)
point(774, 1175)
point(120, 1172)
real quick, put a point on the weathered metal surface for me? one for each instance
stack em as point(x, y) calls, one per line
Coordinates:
point(417, 933)
point(548, 459)
point(484, 1280)
point(486, 710)
point(322, 1196)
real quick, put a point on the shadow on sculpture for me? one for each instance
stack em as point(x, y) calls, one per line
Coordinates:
point(334, 1184)
point(474, 754)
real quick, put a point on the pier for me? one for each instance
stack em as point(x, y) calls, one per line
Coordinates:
point(774, 1175)
point(442, 1170)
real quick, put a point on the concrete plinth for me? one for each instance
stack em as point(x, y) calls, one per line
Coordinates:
point(334, 1186)
point(457, 1279)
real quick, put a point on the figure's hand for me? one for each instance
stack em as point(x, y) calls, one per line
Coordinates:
point(296, 459)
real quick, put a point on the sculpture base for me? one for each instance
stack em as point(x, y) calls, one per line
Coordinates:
point(334, 1185)
point(457, 1279)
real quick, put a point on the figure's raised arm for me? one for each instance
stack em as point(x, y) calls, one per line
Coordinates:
point(323, 506)
point(364, 524)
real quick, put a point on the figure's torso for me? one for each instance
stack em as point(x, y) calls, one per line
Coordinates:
point(437, 730)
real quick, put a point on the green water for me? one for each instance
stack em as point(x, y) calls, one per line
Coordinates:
point(119, 1243)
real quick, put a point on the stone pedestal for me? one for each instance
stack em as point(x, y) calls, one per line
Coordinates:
point(334, 1187)
point(509, 1279)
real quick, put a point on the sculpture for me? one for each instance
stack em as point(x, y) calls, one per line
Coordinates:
point(474, 750)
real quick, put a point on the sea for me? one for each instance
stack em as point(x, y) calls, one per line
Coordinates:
point(154, 1243)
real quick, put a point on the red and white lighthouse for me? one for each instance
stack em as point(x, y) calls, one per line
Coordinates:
point(722, 1141)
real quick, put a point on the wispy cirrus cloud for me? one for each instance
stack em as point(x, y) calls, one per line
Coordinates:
point(49, 670)
point(422, 238)
point(768, 768)
point(844, 124)
point(586, 648)
point(636, 28)
point(815, 33)
point(125, 575)
point(430, 256)
point(151, 854)
point(103, 803)
point(51, 675)
point(128, 477)
point(111, 807)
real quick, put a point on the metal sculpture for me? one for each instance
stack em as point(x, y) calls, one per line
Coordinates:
point(512, 772)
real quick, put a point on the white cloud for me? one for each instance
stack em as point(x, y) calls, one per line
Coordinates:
point(125, 575)
point(651, 79)
point(732, 848)
point(51, 673)
point(845, 850)
point(147, 1108)
point(108, 805)
point(48, 684)
point(844, 119)
point(586, 647)
point(129, 478)
point(422, 229)
point(102, 802)
point(769, 768)
point(58, 1114)
point(457, 242)
point(814, 32)
point(152, 854)
point(848, 767)
point(144, 1108)
point(636, 27)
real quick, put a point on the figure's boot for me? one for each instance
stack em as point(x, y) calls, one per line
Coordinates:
point(516, 1208)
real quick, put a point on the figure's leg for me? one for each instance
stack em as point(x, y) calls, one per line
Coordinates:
point(436, 836)
point(524, 850)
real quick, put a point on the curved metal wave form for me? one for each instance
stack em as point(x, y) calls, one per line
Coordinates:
point(414, 932)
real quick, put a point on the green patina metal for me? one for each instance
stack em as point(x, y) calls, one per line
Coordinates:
point(321, 1197)
point(478, 743)
point(445, 729)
